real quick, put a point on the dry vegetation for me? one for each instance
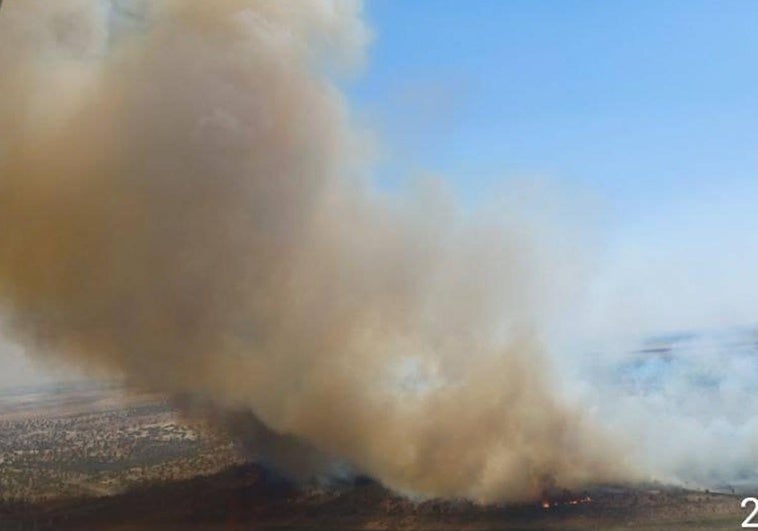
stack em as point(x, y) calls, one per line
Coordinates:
point(93, 459)
point(94, 443)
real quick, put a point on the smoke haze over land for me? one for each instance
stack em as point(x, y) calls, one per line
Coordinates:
point(181, 203)
point(185, 203)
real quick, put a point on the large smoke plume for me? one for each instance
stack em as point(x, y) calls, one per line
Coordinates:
point(181, 204)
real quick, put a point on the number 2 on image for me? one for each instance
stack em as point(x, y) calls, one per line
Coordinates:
point(748, 522)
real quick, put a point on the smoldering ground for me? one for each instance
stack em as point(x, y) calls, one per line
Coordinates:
point(182, 202)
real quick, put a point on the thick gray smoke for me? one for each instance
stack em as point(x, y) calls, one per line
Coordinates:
point(179, 205)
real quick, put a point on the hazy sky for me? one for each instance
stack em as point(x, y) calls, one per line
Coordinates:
point(647, 108)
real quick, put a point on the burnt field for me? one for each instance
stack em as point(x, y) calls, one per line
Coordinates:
point(92, 457)
point(247, 497)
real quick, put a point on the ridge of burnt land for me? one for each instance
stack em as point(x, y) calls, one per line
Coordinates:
point(250, 497)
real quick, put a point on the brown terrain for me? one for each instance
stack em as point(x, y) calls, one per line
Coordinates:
point(92, 457)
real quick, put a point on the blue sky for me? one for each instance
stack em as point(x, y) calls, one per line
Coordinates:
point(649, 107)
point(643, 102)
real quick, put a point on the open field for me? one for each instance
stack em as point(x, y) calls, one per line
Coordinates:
point(97, 440)
point(246, 497)
point(92, 457)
